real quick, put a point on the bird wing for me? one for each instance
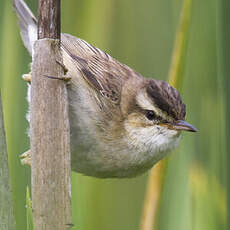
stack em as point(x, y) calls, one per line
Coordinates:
point(99, 69)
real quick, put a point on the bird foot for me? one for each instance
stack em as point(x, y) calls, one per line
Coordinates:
point(26, 158)
point(27, 77)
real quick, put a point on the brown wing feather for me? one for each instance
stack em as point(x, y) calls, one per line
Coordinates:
point(99, 69)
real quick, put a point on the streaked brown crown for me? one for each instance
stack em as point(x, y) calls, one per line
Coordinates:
point(166, 98)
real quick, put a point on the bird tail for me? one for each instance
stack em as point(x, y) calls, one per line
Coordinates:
point(28, 24)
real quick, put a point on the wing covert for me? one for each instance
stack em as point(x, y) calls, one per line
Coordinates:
point(99, 69)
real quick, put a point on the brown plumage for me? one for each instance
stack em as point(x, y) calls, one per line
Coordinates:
point(107, 76)
point(121, 123)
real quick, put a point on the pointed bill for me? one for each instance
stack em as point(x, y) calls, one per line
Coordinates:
point(183, 126)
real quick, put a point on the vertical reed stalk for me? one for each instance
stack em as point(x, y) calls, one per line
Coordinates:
point(7, 220)
point(50, 141)
point(176, 74)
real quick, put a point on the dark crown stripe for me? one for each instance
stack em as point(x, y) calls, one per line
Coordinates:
point(166, 98)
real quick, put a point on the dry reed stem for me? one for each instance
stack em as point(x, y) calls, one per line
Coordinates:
point(50, 135)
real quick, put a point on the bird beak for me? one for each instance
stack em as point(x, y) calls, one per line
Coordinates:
point(183, 126)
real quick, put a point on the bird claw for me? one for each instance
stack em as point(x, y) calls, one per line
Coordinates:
point(63, 66)
point(65, 78)
point(27, 77)
point(26, 158)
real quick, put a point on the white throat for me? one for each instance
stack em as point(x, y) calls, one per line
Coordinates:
point(156, 140)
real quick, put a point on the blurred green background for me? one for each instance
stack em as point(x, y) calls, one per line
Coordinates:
point(141, 35)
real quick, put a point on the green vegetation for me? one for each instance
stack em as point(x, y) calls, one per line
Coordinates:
point(29, 213)
point(140, 34)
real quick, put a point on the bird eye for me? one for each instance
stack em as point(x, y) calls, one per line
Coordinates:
point(150, 115)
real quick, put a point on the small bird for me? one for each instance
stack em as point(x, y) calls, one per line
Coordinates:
point(121, 123)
